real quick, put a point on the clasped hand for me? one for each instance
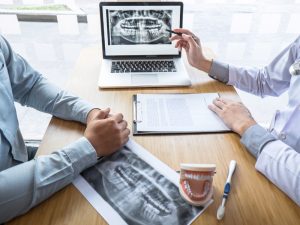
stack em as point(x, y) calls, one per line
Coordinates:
point(107, 133)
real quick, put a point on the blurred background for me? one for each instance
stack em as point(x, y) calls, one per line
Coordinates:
point(51, 33)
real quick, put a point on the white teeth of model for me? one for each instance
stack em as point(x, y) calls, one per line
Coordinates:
point(187, 187)
point(197, 177)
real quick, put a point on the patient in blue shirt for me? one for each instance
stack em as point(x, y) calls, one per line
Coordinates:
point(23, 182)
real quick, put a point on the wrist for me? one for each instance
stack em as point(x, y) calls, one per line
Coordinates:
point(244, 126)
point(91, 115)
point(205, 65)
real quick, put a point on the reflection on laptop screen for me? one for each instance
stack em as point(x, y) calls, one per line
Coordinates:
point(138, 29)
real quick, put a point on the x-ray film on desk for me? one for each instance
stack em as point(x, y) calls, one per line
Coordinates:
point(175, 113)
point(134, 187)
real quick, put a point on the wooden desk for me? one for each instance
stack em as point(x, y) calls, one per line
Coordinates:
point(253, 200)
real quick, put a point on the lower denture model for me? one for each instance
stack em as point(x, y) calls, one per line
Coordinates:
point(196, 183)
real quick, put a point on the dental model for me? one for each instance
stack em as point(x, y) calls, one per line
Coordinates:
point(196, 183)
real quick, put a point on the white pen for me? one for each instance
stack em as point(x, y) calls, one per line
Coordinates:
point(221, 209)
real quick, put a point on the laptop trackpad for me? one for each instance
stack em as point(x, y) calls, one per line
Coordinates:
point(142, 78)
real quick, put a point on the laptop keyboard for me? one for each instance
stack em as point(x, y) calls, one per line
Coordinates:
point(136, 66)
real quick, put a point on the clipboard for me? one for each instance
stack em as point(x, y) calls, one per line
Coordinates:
point(139, 115)
point(135, 120)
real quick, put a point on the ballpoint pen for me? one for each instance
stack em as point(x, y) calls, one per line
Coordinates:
point(173, 32)
point(221, 209)
point(180, 34)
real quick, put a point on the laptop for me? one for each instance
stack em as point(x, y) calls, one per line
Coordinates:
point(136, 48)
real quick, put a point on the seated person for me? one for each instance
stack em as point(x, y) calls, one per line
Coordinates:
point(25, 182)
point(277, 149)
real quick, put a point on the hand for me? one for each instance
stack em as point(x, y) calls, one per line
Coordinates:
point(193, 48)
point(234, 114)
point(94, 113)
point(107, 134)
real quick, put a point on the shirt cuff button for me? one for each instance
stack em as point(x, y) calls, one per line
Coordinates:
point(282, 136)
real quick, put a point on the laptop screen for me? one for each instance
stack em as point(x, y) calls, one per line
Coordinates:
point(139, 28)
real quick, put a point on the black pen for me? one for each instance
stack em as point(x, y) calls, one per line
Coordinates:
point(173, 32)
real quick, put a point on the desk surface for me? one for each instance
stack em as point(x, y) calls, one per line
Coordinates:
point(253, 199)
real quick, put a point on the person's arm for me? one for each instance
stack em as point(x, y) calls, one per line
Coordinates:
point(26, 185)
point(272, 80)
point(277, 161)
point(32, 89)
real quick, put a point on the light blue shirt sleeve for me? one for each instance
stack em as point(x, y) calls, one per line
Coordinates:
point(27, 184)
point(30, 88)
point(24, 185)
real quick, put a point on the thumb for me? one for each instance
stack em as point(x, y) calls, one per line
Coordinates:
point(102, 114)
point(189, 39)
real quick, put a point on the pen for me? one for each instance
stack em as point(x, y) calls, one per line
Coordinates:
point(173, 32)
point(221, 209)
point(180, 34)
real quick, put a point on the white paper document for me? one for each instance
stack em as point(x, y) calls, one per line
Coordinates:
point(175, 113)
point(133, 187)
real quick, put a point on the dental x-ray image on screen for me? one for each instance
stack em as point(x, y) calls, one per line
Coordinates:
point(129, 27)
point(138, 192)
